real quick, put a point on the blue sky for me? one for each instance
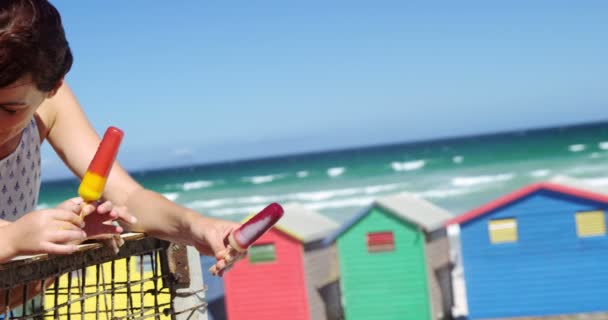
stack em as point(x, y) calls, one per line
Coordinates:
point(206, 81)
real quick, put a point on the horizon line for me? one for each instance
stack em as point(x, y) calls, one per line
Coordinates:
point(351, 148)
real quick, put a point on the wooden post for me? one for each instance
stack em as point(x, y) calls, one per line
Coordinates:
point(189, 302)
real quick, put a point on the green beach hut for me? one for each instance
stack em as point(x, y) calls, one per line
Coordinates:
point(394, 261)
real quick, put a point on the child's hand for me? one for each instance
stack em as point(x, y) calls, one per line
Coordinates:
point(44, 231)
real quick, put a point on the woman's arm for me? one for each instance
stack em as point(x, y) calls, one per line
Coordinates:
point(75, 141)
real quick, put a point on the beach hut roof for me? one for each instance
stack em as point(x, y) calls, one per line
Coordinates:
point(405, 206)
point(303, 224)
point(523, 193)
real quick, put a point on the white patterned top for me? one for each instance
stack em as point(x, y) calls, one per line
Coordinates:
point(20, 176)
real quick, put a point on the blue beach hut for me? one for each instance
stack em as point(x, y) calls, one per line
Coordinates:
point(539, 251)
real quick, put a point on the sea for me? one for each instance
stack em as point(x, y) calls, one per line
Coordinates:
point(456, 173)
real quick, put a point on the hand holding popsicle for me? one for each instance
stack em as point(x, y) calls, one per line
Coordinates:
point(94, 181)
point(243, 237)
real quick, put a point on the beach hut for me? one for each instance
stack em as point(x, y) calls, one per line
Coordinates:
point(394, 261)
point(283, 271)
point(539, 251)
point(214, 296)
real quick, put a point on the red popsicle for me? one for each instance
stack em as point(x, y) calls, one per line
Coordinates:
point(243, 237)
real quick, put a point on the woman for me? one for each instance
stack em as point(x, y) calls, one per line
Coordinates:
point(36, 105)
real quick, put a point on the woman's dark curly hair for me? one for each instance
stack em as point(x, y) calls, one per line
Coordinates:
point(32, 42)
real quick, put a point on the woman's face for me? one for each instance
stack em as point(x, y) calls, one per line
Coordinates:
point(18, 103)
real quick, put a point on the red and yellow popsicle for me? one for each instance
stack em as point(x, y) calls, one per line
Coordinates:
point(94, 180)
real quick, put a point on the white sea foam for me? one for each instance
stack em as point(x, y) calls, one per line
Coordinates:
point(171, 195)
point(577, 147)
point(540, 173)
point(41, 206)
point(381, 188)
point(588, 169)
point(206, 204)
point(235, 210)
point(255, 199)
point(336, 171)
point(408, 166)
point(322, 194)
point(194, 185)
point(457, 159)
point(320, 205)
point(190, 185)
point(594, 155)
point(241, 205)
point(603, 145)
point(444, 193)
point(486, 179)
point(263, 179)
point(318, 200)
point(596, 182)
point(341, 203)
point(335, 193)
point(302, 174)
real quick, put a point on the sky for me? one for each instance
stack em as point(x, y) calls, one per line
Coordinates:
point(208, 81)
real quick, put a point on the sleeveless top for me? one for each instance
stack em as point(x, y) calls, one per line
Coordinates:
point(20, 176)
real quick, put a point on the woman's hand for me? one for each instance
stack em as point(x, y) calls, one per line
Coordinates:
point(99, 217)
point(209, 237)
point(51, 231)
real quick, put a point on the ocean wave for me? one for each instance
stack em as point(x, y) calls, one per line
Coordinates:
point(577, 147)
point(594, 155)
point(41, 206)
point(302, 197)
point(603, 145)
point(220, 202)
point(194, 185)
point(302, 174)
point(235, 211)
point(589, 169)
point(382, 188)
point(457, 159)
point(540, 173)
point(171, 195)
point(342, 203)
point(322, 194)
point(263, 179)
point(596, 182)
point(190, 185)
point(255, 199)
point(407, 166)
point(444, 193)
point(334, 193)
point(336, 171)
point(476, 180)
point(206, 204)
point(321, 205)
